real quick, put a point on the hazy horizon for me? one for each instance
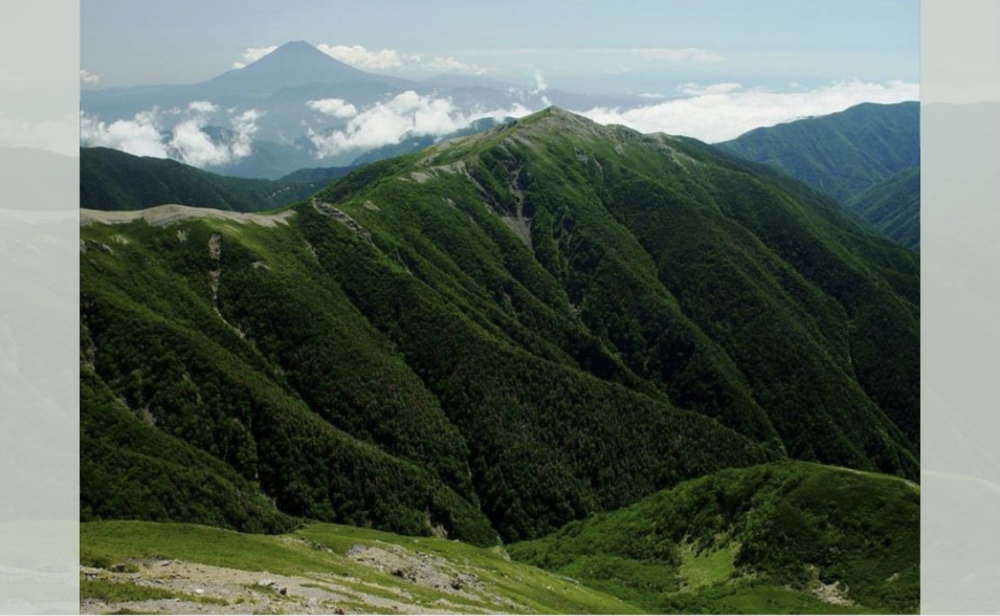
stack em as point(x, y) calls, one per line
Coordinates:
point(629, 49)
point(709, 69)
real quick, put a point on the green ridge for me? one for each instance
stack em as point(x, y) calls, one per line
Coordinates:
point(497, 336)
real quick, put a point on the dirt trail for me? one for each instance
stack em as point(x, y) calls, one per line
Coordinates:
point(223, 590)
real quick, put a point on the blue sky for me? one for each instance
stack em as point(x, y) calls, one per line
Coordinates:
point(710, 69)
point(621, 47)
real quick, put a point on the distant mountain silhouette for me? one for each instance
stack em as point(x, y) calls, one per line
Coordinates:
point(293, 64)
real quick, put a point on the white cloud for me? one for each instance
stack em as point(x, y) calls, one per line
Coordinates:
point(651, 95)
point(187, 141)
point(203, 107)
point(252, 54)
point(193, 146)
point(140, 136)
point(88, 77)
point(722, 112)
point(540, 87)
point(369, 59)
point(336, 107)
point(359, 57)
point(406, 114)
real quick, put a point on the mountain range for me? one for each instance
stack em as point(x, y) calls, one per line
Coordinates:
point(893, 206)
point(840, 154)
point(113, 180)
point(685, 375)
point(297, 107)
point(866, 157)
point(492, 337)
point(281, 91)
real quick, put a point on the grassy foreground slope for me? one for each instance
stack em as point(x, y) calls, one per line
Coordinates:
point(319, 568)
point(778, 538)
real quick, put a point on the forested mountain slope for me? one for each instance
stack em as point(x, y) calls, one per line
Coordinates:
point(841, 154)
point(114, 180)
point(494, 336)
point(893, 207)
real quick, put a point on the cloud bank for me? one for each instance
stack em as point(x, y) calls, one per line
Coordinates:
point(188, 142)
point(88, 77)
point(334, 107)
point(724, 111)
point(406, 114)
point(712, 113)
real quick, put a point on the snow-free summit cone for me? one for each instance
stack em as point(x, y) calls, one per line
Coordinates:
point(293, 64)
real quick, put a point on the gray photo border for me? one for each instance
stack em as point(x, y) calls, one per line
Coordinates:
point(960, 306)
point(960, 252)
point(39, 313)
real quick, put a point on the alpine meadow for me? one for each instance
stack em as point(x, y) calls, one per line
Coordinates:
point(535, 359)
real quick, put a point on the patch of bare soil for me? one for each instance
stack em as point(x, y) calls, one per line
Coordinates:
point(222, 590)
point(834, 593)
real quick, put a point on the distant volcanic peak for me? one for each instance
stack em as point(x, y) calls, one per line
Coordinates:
point(296, 52)
point(295, 49)
point(297, 45)
point(292, 64)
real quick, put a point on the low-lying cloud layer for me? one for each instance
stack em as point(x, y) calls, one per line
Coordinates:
point(712, 113)
point(187, 141)
point(388, 122)
point(720, 112)
point(334, 107)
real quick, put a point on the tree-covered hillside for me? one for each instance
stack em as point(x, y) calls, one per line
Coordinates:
point(841, 154)
point(893, 207)
point(114, 180)
point(778, 538)
point(492, 337)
